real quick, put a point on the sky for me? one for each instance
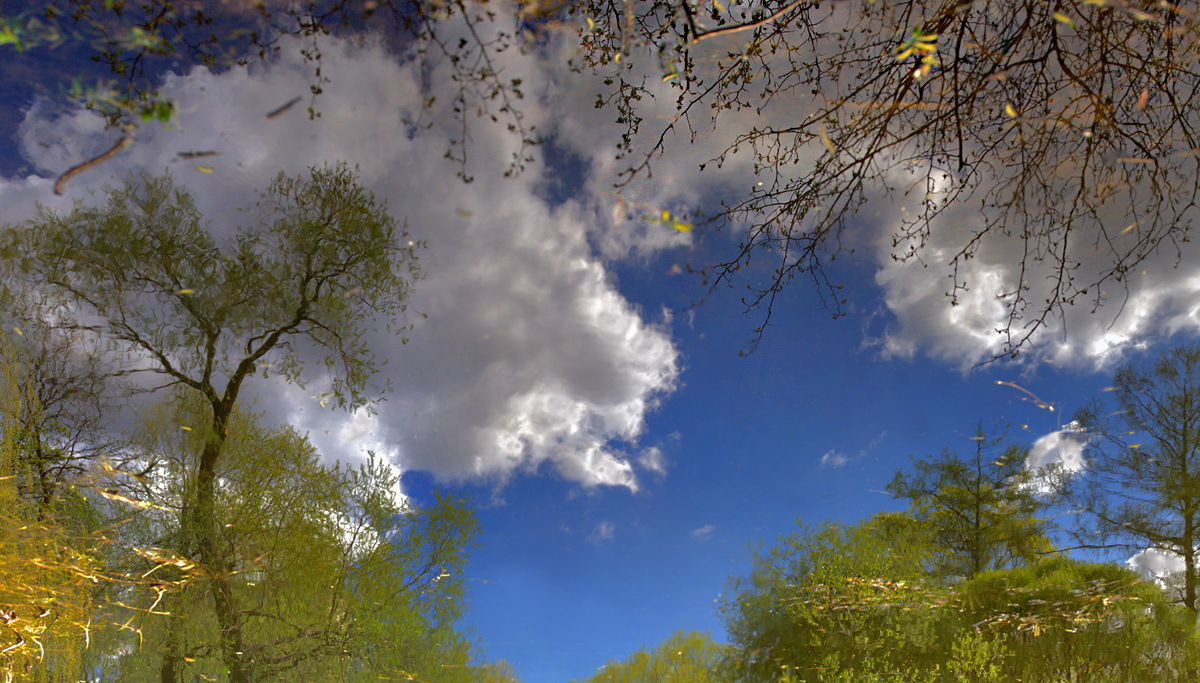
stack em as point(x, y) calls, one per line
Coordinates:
point(571, 377)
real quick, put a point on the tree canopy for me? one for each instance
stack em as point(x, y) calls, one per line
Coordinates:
point(983, 510)
point(1140, 488)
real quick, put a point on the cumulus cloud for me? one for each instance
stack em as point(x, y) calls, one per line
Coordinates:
point(604, 531)
point(703, 533)
point(529, 354)
point(1061, 451)
point(833, 460)
point(1164, 566)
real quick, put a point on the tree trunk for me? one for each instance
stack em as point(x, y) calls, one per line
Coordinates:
point(212, 553)
point(1189, 562)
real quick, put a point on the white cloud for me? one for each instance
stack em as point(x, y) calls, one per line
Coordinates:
point(1156, 563)
point(653, 460)
point(703, 533)
point(1063, 447)
point(529, 354)
point(604, 531)
point(1164, 566)
point(1061, 451)
point(833, 459)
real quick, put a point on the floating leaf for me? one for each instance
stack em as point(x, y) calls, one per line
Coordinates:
point(204, 169)
point(682, 227)
point(1131, 226)
point(464, 213)
point(1064, 19)
point(1008, 109)
point(1143, 98)
point(187, 291)
point(825, 138)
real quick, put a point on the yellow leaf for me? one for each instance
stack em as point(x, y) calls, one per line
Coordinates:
point(204, 169)
point(666, 215)
point(825, 138)
point(682, 227)
point(464, 213)
point(591, 24)
point(18, 331)
point(186, 429)
point(1143, 98)
point(187, 291)
point(1008, 109)
point(1131, 226)
point(1062, 18)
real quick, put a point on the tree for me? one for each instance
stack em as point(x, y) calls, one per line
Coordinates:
point(835, 603)
point(1057, 124)
point(983, 509)
point(63, 396)
point(142, 276)
point(808, 605)
point(56, 561)
point(1062, 619)
point(333, 578)
point(1140, 487)
point(684, 657)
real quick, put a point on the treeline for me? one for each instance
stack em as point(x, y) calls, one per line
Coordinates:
point(201, 544)
point(979, 578)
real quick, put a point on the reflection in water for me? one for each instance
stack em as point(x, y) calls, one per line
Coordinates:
point(170, 509)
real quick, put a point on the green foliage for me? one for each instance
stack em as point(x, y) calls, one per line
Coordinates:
point(1062, 619)
point(323, 260)
point(684, 657)
point(983, 513)
point(801, 604)
point(1141, 486)
point(333, 577)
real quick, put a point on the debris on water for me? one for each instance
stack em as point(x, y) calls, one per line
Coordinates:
point(123, 144)
point(286, 106)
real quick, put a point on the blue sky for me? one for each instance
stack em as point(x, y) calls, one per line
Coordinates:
point(622, 456)
point(745, 439)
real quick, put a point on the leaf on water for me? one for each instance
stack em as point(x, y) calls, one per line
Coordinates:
point(682, 227)
point(464, 213)
point(352, 292)
point(18, 331)
point(187, 291)
point(1131, 226)
point(1136, 160)
point(1008, 109)
point(1064, 19)
point(204, 169)
point(825, 138)
point(1143, 98)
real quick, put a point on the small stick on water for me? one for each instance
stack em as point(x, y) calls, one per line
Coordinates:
point(287, 105)
point(196, 155)
point(121, 145)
